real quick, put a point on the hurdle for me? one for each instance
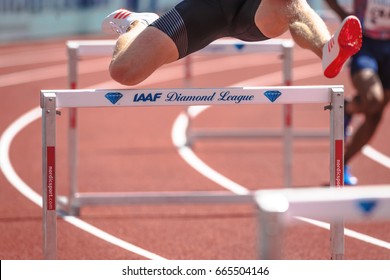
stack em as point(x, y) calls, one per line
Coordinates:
point(77, 49)
point(279, 208)
point(52, 100)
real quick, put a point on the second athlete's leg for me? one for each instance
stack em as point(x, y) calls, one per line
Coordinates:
point(371, 101)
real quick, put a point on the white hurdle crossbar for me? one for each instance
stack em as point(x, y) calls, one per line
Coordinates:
point(52, 100)
point(278, 208)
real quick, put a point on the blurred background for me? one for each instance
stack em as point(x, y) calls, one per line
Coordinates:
point(37, 19)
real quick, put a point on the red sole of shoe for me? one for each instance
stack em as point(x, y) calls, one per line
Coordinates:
point(350, 42)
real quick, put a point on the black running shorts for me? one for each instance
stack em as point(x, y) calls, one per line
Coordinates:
point(193, 24)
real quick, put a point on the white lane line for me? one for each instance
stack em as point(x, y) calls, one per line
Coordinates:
point(178, 136)
point(111, 239)
point(376, 156)
point(14, 179)
point(195, 162)
point(32, 57)
point(101, 64)
point(51, 72)
point(5, 163)
point(350, 233)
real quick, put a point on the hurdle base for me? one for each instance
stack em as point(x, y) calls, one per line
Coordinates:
point(254, 133)
point(132, 198)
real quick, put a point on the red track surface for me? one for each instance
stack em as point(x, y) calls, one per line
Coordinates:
point(131, 150)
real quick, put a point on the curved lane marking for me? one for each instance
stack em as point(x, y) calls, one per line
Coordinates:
point(14, 179)
point(376, 156)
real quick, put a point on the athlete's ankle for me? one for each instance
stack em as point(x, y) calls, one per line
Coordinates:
point(137, 24)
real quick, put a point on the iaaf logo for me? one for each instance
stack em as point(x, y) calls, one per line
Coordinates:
point(151, 97)
point(114, 97)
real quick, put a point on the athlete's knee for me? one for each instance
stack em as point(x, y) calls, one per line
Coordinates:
point(374, 119)
point(374, 107)
point(126, 73)
point(124, 76)
point(272, 17)
point(370, 89)
point(372, 104)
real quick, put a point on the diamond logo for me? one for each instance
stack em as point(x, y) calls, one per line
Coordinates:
point(272, 95)
point(114, 97)
point(239, 46)
point(367, 206)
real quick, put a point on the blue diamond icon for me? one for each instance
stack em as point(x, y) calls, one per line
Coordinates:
point(239, 46)
point(367, 206)
point(272, 95)
point(114, 97)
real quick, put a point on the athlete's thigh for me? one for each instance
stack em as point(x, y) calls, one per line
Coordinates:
point(271, 16)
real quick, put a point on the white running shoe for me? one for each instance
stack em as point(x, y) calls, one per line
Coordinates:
point(344, 43)
point(119, 22)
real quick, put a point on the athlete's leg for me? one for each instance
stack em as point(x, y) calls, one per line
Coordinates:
point(188, 27)
point(140, 49)
point(371, 79)
point(139, 52)
point(309, 31)
point(274, 17)
point(371, 101)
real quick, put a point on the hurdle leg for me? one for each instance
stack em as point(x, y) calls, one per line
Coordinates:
point(287, 139)
point(48, 104)
point(188, 84)
point(287, 135)
point(271, 233)
point(337, 167)
point(72, 134)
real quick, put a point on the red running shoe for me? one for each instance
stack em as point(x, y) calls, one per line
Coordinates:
point(344, 43)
